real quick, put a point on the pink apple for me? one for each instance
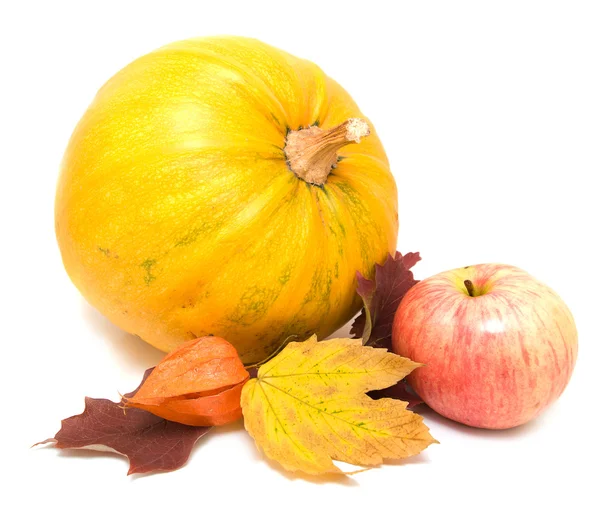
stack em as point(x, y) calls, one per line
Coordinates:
point(498, 345)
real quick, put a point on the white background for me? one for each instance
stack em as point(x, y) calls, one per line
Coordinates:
point(490, 114)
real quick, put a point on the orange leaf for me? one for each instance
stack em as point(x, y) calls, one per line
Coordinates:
point(199, 383)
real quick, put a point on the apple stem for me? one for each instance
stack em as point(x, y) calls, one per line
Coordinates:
point(470, 287)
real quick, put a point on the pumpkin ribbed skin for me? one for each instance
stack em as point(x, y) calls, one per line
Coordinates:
point(177, 215)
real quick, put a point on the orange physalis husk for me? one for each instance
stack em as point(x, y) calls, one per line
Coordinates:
point(199, 383)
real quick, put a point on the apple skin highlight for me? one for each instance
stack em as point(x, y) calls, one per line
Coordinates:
point(494, 359)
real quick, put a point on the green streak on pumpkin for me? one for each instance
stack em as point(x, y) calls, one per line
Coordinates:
point(285, 275)
point(363, 225)
point(190, 238)
point(253, 305)
point(275, 118)
point(147, 265)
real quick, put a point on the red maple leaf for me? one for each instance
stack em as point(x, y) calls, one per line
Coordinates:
point(151, 443)
point(381, 298)
point(399, 391)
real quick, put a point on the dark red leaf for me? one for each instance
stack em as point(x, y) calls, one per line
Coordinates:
point(145, 376)
point(151, 443)
point(400, 391)
point(381, 298)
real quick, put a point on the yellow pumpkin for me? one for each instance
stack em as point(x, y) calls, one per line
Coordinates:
point(222, 186)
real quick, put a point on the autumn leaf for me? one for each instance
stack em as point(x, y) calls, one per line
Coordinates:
point(401, 391)
point(151, 443)
point(308, 406)
point(198, 383)
point(381, 298)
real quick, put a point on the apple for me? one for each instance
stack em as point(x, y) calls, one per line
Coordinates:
point(498, 346)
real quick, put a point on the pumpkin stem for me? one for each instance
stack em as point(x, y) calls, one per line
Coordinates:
point(312, 152)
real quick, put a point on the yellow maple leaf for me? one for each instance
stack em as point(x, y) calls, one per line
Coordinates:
point(308, 406)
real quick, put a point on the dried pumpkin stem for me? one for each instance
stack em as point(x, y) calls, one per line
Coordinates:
point(312, 152)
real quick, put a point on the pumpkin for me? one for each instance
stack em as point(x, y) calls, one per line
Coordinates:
point(222, 186)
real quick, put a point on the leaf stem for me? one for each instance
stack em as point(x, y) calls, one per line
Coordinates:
point(273, 354)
